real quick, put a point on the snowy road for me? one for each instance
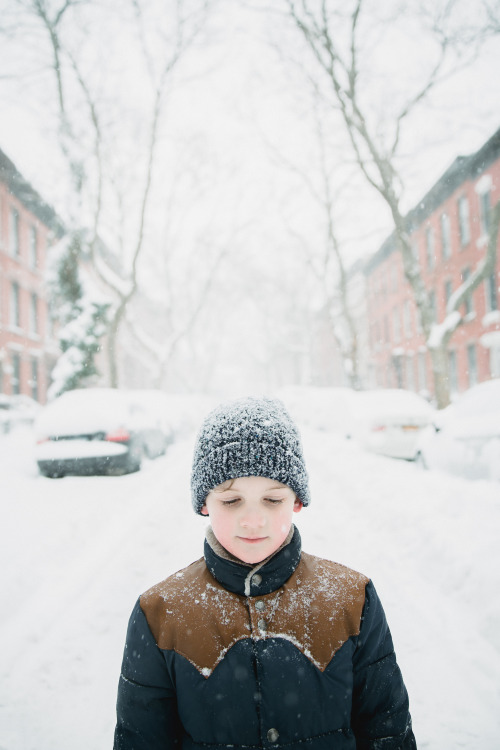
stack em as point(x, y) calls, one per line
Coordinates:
point(75, 553)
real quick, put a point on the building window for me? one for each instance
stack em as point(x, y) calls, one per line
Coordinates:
point(386, 329)
point(472, 364)
point(484, 211)
point(410, 373)
point(469, 307)
point(34, 314)
point(448, 291)
point(33, 247)
point(446, 235)
point(491, 293)
point(34, 378)
point(16, 373)
point(429, 247)
point(432, 303)
point(15, 308)
point(14, 233)
point(453, 371)
point(407, 319)
point(463, 220)
point(396, 325)
point(422, 371)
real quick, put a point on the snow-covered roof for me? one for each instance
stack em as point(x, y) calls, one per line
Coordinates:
point(23, 191)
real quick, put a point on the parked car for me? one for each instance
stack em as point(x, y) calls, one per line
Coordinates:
point(17, 410)
point(464, 438)
point(95, 431)
point(151, 409)
point(389, 421)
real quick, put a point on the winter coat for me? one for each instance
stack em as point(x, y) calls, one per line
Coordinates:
point(294, 653)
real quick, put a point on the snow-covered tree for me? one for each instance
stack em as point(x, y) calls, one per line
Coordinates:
point(81, 318)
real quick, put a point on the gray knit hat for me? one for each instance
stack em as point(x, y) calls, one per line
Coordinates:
point(248, 437)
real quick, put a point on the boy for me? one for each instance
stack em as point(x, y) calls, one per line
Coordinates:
point(258, 645)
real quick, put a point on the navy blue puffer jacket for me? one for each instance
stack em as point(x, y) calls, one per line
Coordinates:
point(294, 654)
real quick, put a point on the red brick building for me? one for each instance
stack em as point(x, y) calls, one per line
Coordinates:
point(448, 230)
point(27, 228)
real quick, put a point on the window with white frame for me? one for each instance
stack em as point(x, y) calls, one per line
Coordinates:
point(432, 303)
point(453, 371)
point(484, 211)
point(34, 378)
point(469, 307)
point(472, 364)
point(448, 291)
point(14, 246)
point(463, 220)
point(33, 251)
point(429, 247)
point(15, 382)
point(491, 292)
point(15, 306)
point(446, 235)
point(34, 313)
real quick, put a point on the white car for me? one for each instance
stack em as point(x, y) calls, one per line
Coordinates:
point(464, 438)
point(389, 421)
point(95, 431)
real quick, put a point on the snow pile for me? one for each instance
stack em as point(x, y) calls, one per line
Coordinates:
point(78, 552)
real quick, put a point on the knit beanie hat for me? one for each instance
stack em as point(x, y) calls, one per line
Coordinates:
point(248, 437)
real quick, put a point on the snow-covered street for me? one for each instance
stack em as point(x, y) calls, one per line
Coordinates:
point(75, 553)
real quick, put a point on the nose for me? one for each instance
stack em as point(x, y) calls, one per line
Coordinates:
point(252, 518)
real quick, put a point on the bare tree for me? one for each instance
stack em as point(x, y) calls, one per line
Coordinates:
point(88, 120)
point(322, 24)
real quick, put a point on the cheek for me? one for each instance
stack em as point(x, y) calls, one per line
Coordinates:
point(222, 523)
point(282, 522)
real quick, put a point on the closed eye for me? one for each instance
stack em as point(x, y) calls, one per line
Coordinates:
point(232, 501)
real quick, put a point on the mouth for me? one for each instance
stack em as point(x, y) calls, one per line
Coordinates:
point(252, 540)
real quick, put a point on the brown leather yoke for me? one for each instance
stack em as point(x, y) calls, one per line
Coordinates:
point(318, 609)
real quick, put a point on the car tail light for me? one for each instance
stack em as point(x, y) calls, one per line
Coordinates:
point(41, 440)
point(118, 436)
point(379, 427)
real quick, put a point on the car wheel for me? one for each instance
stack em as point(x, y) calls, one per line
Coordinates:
point(420, 462)
point(51, 474)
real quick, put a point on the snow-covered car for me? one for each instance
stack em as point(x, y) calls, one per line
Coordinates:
point(95, 431)
point(17, 410)
point(389, 421)
point(464, 438)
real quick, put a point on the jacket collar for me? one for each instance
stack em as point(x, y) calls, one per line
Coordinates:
point(253, 580)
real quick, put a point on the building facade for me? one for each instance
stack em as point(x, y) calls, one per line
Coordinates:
point(449, 232)
point(27, 228)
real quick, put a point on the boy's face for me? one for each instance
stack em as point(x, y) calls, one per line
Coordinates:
point(251, 516)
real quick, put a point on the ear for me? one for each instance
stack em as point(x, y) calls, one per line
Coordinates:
point(204, 511)
point(298, 505)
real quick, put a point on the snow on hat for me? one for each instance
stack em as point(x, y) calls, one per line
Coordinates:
point(248, 437)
